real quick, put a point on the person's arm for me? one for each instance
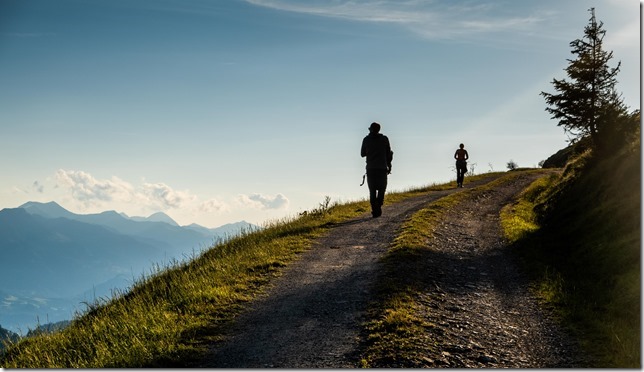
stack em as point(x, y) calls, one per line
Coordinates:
point(467, 156)
point(363, 149)
point(390, 156)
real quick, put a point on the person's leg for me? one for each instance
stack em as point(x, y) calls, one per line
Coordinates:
point(377, 181)
point(463, 171)
point(372, 183)
point(382, 188)
point(460, 173)
point(372, 194)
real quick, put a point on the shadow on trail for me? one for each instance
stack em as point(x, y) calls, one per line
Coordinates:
point(427, 271)
point(348, 223)
point(301, 327)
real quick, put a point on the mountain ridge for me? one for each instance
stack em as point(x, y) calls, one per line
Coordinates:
point(61, 259)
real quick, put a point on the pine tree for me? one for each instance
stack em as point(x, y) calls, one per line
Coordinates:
point(588, 105)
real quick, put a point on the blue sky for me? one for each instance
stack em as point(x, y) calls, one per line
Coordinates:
point(220, 111)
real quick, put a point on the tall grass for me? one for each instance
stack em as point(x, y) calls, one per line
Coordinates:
point(169, 315)
point(164, 319)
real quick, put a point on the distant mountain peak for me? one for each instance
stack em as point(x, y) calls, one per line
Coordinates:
point(162, 217)
point(32, 204)
point(49, 210)
point(155, 217)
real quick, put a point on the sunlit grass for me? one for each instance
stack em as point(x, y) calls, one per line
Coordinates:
point(518, 220)
point(168, 316)
point(163, 319)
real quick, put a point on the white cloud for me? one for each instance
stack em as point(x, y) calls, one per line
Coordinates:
point(165, 197)
point(84, 193)
point(429, 19)
point(371, 11)
point(92, 191)
point(264, 202)
point(87, 189)
point(213, 205)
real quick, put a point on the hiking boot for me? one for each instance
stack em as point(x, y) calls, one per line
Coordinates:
point(376, 213)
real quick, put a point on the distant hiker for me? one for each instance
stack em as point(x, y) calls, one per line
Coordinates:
point(377, 150)
point(461, 157)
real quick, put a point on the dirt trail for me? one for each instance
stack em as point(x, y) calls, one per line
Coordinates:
point(310, 317)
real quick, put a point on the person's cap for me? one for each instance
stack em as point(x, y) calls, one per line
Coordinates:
point(374, 127)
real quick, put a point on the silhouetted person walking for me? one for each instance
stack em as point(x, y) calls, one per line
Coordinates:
point(461, 157)
point(377, 150)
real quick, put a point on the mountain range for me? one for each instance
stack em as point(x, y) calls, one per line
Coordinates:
point(53, 260)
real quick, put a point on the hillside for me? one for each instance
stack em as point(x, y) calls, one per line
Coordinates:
point(586, 256)
point(439, 282)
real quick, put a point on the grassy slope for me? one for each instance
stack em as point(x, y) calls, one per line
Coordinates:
point(166, 318)
point(582, 245)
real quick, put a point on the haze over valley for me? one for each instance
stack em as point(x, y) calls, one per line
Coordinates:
point(55, 262)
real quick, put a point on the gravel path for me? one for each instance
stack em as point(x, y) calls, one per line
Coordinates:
point(310, 317)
